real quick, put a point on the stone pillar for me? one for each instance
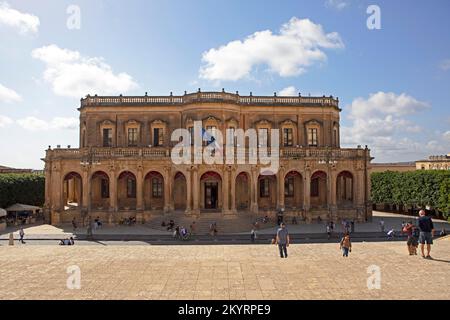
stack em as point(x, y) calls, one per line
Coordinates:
point(233, 192)
point(188, 191)
point(332, 195)
point(86, 190)
point(254, 190)
point(226, 190)
point(307, 192)
point(196, 192)
point(280, 179)
point(112, 191)
point(167, 192)
point(139, 190)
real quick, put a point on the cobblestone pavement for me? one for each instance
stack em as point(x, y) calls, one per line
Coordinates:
point(312, 271)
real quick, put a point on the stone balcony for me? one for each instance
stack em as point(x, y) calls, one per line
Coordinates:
point(211, 97)
point(163, 153)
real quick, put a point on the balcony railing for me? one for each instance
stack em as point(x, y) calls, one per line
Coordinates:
point(208, 97)
point(155, 153)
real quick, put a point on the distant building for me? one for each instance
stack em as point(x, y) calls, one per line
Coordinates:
point(393, 166)
point(434, 163)
point(4, 169)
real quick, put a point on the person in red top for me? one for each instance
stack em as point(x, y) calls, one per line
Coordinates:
point(411, 241)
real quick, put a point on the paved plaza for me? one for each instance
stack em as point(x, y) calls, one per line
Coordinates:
point(312, 271)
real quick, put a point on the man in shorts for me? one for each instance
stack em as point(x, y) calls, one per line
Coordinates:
point(426, 233)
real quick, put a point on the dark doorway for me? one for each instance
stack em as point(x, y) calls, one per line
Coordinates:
point(211, 190)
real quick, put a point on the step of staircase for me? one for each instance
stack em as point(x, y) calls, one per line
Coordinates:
point(240, 222)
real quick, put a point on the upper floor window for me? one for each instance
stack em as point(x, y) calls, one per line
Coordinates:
point(335, 137)
point(132, 137)
point(209, 135)
point(312, 137)
point(107, 137)
point(191, 135)
point(263, 137)
point(287, 137)
point(158, 137)
point(231, 139)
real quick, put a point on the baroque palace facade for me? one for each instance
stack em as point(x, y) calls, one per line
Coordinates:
point(123, 167)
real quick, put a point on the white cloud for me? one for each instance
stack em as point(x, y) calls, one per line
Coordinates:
point(380, 121)
point(445, 65)
point(446, 135)
point(298, 45)
point(57, 123)
point(73, 75)
point(65, 123)
point(337, 4)
point(24, 22)
point(8, 95)
point(5, 121)
point(289, 91)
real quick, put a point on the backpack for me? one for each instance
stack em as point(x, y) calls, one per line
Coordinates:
point(416, 232)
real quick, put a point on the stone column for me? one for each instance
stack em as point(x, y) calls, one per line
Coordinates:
point(196, 191)
point(86, 190)
point(188, 191)
point(225, 190)
point(254, 190)
point(112, 196)
point(307, 192)
point(332, 194)
point(233, 191)
point(167, 193)
point(139, 190)
point(280, 179)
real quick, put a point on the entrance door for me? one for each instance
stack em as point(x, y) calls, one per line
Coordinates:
point(211, 189)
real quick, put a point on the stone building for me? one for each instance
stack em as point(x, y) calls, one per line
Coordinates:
point(123, 167)
point(441, 162)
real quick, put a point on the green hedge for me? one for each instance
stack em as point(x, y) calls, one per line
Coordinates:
point(22, 188)
point(414, 188)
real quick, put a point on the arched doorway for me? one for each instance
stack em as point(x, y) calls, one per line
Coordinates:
point(179, 191)
point(344, 189)
point(211, 189)
point(242, 191)
point(318, 191)
point(72, 191)
point(126, 191)
point(293, 190)
point(99, 190)
point(154, 191)
point(267, 192)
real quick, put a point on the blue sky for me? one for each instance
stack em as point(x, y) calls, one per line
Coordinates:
point(393, 83)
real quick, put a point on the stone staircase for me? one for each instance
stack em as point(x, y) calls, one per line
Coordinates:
point(241, 222)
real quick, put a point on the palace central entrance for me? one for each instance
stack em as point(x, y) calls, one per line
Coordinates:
point(211, 192)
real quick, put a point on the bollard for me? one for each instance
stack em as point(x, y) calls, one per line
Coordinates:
point(11, 239)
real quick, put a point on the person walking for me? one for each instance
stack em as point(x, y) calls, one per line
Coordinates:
point(253, 235)
point(426, 233)
point(328, 231)
point(345, 245)
point(21, 235)
point(89, 230)
point(74, 224)
point(283, 240)
point(408, 230)
point(382, 225)
point(352, 226)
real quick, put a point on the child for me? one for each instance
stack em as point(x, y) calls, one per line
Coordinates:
point(346, 245)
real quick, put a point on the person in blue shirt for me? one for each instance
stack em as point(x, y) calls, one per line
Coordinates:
point(426, 233)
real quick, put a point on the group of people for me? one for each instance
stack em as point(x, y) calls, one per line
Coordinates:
point(67, 242)
point(180, 232)
point(128, 221)
point(421, 234)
